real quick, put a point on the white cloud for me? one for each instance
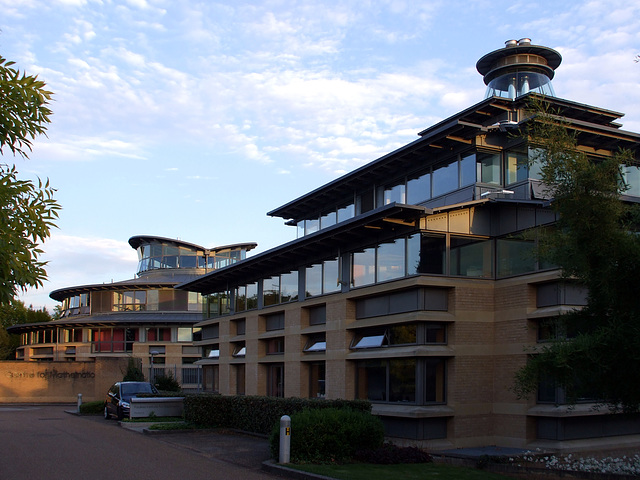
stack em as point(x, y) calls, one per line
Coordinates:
point(76, 261)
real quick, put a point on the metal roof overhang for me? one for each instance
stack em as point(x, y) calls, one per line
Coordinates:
point(361, 230)
point(134, 284)
point(138, 240)
point(120, 319)
point(441, 139)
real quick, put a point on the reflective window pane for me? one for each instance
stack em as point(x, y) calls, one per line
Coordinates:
point(313, 280)
point(445, 179)
point(363, 267)
point(391, 260)
point(471, 257)
point(419, 189)
point(330, 276)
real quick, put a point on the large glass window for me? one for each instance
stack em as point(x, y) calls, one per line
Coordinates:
point(631, 176)
point(271, 291)
point(289, 287)
point(363, 267)
point(468, 170)
point(471, 257)
point(322, 278)
point(419, 189)
point(445, 179)
point(515, 256)
point(390, 261)
point(432, 254)
point(489, 168)
point(395, 193)
point(346, 212)
point(517, 167)
point(130, 301)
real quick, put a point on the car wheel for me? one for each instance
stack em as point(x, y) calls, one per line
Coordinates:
point(106, 413)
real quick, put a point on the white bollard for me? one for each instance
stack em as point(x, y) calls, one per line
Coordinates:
point(79, 401)
point(285, 439)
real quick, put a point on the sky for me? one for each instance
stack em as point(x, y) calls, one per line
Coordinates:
point(193, 119)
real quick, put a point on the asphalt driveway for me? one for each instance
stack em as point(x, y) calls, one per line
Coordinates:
point(44, 442)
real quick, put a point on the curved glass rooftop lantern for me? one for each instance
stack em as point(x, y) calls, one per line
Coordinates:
point(519, 68)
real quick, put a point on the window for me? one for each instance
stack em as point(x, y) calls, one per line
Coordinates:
point(271, 291)
point(489, 168)
point(445, 179)
point(104, 340)
point(471, 257)
point(401, 334)
point(239, 349)
point(322, 278)
point(517, 167)
point(631, 177)
point(432, 255)
point(158, 334)
point(240, 326)
point(218, 304)
point(515, 256)
point(289, 287)
point(346, 212)
point(316, 343)
point(317, 373)
point(406, 334)
point(275, 380)
point(363, 267)
point(130, 301)
point(275, 346)
point(390, 260)
point(211, 378)
point(401, 381)
point(274, 322)
point(419, 189)
point(240, 378)
point(396, 193)
point(189, 334)
point(317, 315)
point(468, 170)
point(212, 352)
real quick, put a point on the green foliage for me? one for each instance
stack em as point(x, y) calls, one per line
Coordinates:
point(330, 435)
point(24, 112)
point(134, 372)
point(254, 413)
point(92, 408)
point(27, 214)
point(166, 383)
point(15, 313)
point(596, 243)
point(28, 210)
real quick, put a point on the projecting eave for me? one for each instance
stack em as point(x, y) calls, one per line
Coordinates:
point(121, 319)
point(138, 240)
point(450, 135)
point(311, 248)
point(133, 284)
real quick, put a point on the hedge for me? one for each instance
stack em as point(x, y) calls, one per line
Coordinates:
point(330, 435)
point(254, 413)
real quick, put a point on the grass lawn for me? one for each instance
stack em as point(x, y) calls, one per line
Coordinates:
point(418, 471)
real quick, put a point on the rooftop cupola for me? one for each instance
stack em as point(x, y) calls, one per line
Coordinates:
point(519, 68)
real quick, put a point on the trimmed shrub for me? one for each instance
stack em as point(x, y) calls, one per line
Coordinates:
point(166, 383)
point(92, 408)
point(330, 435)
point(254, 413)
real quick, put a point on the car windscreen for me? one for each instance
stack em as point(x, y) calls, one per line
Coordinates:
point(131, 390)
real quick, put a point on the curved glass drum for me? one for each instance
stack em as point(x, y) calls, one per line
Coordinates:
point(513, 85)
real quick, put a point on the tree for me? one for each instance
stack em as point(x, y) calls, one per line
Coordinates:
point(27, 210)
point(15, 313)
point(596, 243)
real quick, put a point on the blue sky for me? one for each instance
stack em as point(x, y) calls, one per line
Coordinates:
point(192, 119)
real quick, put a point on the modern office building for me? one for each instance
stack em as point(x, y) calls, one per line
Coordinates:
point(144, 318)
point(410, 283)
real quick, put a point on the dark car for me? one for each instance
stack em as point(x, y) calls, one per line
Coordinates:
point(119, 397)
